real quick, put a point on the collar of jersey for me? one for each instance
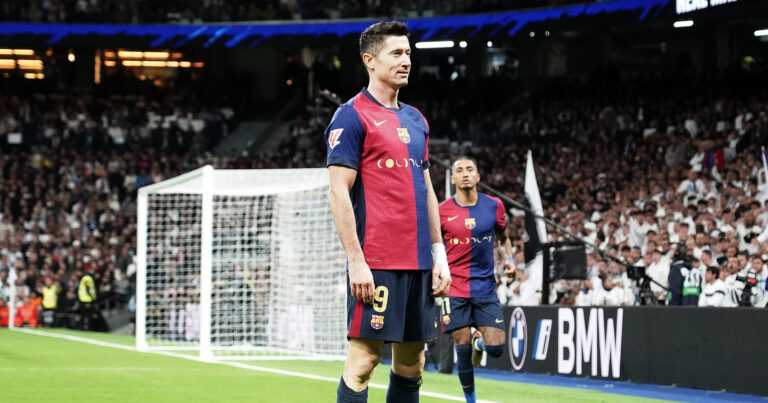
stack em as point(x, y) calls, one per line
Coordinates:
point(471, 205)
point(369, 96)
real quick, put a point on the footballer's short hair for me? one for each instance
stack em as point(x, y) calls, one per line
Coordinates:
point(372, 39)
point(463, 157)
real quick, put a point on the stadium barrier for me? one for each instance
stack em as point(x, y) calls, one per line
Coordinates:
point(703, 348)
point(706, 348)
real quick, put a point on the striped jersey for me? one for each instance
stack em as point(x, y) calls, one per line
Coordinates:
point(388, 148)
point(469, 233)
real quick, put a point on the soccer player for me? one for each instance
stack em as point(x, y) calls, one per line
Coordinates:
point(387, 217)
point(471, 222)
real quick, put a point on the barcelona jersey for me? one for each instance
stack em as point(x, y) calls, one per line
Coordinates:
point(469, 233)
point(388, 148)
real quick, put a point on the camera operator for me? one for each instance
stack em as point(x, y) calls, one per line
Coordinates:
point(658, 271)
point(756, 263)
point(714, 290)
point(684, 279)
point(745, 284)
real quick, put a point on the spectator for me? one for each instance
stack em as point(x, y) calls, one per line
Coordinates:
point(714, 290)
point(26, 314)
point(4, 313)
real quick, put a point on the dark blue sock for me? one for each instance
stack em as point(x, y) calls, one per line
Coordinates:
point(494, 351)
point(466, 372)
point(402, 389)
point(346, 395)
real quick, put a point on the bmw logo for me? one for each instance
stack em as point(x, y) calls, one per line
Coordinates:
point(517, 338)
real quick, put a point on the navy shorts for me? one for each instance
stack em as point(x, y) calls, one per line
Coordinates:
point(402, 310)
point(456, 313)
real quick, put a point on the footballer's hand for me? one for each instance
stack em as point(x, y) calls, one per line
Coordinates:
point(441, 274)
point(509, 268)
point(361, 281)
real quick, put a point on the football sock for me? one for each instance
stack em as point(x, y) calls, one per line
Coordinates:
point(402, 389)
point(346, 395)
point(466, 372)
point(495, 351)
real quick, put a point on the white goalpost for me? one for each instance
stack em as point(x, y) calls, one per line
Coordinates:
point(240, 264)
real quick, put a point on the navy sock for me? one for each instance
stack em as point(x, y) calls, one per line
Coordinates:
point(402, 389)
point(346, 395)
point(464, 367)
point(494, 351)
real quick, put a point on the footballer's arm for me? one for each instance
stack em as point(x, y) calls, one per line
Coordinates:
point(441, 275)
point(509, 267)
point(360, 277)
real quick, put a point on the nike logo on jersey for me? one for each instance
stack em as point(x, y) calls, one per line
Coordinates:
point(499, 321)
point(453, 218)
point(333, 138)
point(379, 123)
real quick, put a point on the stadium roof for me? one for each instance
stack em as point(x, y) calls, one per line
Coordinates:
point(253, 34)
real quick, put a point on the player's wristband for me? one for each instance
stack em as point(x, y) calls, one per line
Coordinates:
point(439, 256)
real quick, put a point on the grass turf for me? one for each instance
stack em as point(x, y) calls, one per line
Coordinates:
point(38, 368)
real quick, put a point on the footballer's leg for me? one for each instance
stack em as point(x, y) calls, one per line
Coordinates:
point(488, 317)
point(457, 319)
point(407, 367)
point(362, 358)
point(491, 341)
point(461, 338)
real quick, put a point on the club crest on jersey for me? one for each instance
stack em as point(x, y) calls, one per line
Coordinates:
point(333, 138)
point(402, 133)
point(447, 319)
point(469, 223)
point(377, 321)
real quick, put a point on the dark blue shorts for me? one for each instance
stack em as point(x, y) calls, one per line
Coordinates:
point(456, 313)
point(403, 309)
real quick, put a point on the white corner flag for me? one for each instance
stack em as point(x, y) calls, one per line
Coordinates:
point(534, 237)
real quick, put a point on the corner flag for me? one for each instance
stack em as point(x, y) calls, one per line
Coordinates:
point(535, 236)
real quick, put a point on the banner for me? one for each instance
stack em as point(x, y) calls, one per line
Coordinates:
point(534, 237)
point(705, 348)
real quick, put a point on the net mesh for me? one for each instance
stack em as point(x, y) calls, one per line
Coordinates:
point(277, 275)
point(173, 269)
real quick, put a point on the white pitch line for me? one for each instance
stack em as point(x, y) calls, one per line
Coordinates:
point(100, 369)
point(231, 364)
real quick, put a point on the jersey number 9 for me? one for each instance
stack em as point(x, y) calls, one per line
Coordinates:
point(380, 297)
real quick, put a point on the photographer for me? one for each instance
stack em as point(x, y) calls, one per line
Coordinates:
point(658, 271)
point(746, 285)
point(756, 263)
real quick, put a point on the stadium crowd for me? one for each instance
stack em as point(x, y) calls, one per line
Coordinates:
point(634, 177)
point(68, 191)
point(638, 178)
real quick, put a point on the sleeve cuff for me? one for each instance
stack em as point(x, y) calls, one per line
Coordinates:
point(346, 162)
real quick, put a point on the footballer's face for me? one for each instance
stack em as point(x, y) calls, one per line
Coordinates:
point(464, 175)
point(392, 64)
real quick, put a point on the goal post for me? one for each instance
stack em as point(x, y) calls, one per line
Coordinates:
point(240, 264)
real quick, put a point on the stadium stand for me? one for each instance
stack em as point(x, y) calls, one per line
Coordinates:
point(143, 11)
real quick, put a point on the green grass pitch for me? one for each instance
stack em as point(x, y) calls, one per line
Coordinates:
point(35, 368)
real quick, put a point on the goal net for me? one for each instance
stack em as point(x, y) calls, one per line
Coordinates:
point(240, 264)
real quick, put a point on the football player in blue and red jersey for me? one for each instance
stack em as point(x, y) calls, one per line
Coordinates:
point(472, 223)
point(387, 216)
